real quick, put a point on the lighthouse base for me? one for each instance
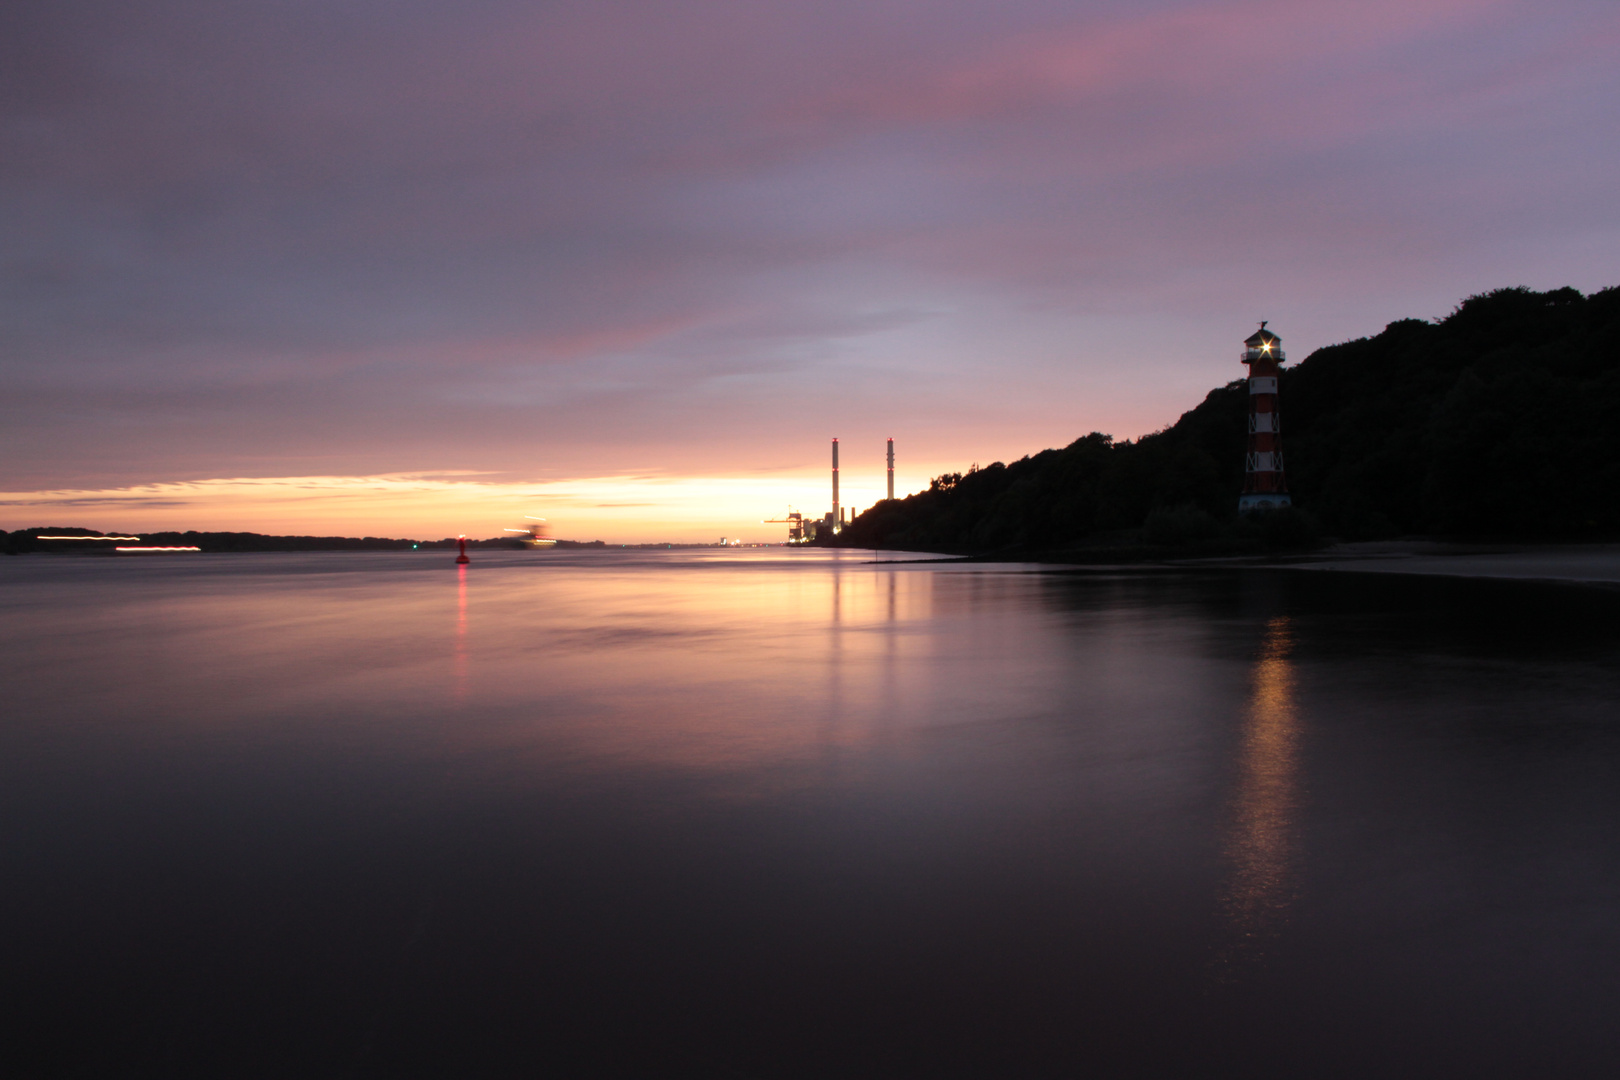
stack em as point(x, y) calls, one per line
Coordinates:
point(1258, 502)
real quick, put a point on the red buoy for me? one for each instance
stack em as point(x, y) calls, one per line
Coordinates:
point(461, 542)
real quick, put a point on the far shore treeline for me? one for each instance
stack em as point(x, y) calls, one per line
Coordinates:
point(26, 541)
point(1500, 421)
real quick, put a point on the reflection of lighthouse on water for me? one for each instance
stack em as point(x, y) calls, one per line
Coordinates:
point(1261, 841)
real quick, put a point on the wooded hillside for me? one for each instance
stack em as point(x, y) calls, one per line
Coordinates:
point(1500, 420)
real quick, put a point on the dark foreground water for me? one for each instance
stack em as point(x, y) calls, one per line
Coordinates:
point(596, 814)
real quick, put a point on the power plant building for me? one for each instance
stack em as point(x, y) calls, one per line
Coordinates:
point(803, 528)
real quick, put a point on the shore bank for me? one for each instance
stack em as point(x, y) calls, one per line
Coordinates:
point(1574, 564)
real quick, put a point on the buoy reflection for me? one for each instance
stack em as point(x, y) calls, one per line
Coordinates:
point(459, 665)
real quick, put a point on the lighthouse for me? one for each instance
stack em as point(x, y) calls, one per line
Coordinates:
point(1264, 487)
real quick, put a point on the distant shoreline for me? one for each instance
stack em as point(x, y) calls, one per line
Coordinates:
point(75, 540)
point(1586, 564)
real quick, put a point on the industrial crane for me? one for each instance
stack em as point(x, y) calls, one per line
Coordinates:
point(795, 523)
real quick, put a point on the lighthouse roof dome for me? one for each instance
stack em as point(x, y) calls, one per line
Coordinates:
point(1261, 337)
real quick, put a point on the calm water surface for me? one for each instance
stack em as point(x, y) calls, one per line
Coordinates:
point(796, 814)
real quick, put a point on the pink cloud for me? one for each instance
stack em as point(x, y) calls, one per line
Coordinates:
point(1133, 75)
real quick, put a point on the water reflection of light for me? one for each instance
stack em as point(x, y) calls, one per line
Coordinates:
point(689, 668)
point(1260, 846)
point(836, 664)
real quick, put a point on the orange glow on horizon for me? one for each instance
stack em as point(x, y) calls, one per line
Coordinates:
point(427, 506)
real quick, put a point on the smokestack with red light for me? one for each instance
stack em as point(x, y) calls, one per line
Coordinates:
point(835, 515)
point(891, 468)
point(1264, 486)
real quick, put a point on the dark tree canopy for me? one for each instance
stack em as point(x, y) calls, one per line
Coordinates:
point(1499, 420)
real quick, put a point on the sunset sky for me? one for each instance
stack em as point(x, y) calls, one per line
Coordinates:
point(418, 269)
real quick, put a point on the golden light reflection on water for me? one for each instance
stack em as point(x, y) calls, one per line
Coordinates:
point(694, 668)
point(1261, 842)
point(754, 665)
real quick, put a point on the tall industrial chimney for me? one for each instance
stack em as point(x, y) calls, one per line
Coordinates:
point(835, 481)
point(891, 468)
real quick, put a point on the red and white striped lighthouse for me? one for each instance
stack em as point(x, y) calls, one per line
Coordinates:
point(1264, 487)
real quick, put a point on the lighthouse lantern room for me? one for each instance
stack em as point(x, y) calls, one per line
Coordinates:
point(1264, 486)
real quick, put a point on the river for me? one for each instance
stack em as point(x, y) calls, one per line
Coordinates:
point(802, 813)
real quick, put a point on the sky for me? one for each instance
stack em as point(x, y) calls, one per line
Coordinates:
point(420, 269)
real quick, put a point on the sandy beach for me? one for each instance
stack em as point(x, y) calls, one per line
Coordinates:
point(1576, 564)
